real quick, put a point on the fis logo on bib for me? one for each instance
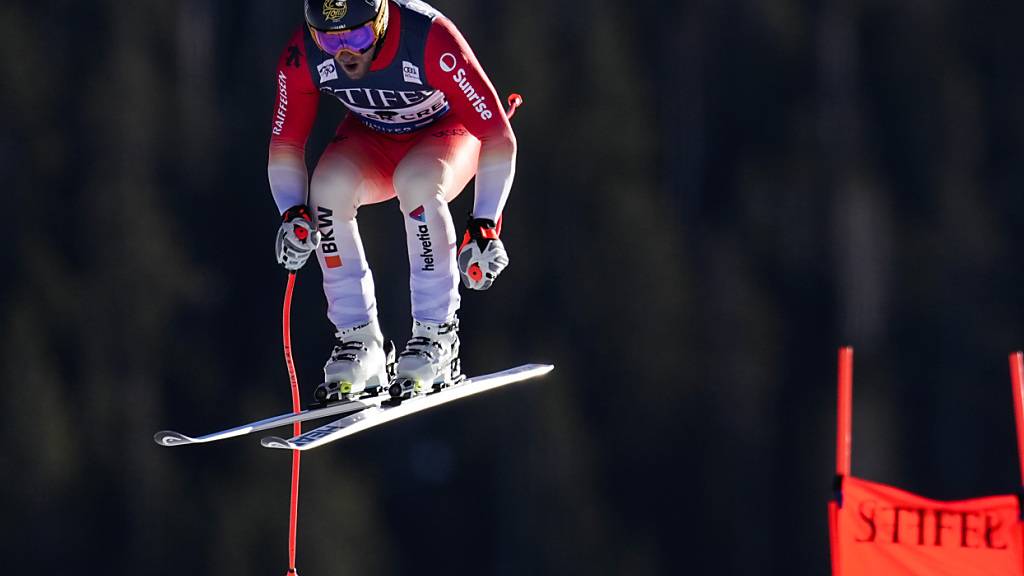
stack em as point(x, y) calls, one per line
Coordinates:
point(328, 244)
point(478, 101)
point(328, 70)
point(448, 62)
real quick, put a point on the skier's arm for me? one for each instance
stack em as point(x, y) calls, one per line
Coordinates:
point(294, 112)
point(452, 68)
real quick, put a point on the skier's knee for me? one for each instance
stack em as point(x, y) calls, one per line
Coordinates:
point(335, 184)
point(420, 182)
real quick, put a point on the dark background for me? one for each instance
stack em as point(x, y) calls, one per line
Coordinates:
point(711, 197)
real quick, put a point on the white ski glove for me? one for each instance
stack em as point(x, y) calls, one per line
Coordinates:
point(482, 256)
point(296, 238)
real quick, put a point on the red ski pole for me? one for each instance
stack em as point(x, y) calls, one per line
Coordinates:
point(293, 512)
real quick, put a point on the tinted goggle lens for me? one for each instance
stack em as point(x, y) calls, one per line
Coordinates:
point(356, 40)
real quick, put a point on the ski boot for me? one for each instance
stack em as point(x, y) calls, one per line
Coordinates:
point(361, 363)
point(430, 360)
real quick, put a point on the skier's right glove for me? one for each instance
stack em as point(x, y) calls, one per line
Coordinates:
point(482, 256)
point(296, 238)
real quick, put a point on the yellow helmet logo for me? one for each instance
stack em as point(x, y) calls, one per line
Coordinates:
point(335, 10)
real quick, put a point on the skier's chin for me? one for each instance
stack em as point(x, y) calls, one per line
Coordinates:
point(354, 70)
point(355, 67)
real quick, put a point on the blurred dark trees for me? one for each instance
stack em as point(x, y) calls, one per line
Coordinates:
point(711, 197)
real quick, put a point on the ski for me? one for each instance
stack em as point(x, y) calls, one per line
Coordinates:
point(388, 411)
point(172, 438)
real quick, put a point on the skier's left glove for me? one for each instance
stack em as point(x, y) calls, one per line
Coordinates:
point(482, 256)
point(297, 238)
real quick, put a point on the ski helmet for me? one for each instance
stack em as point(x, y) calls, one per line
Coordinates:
point(337, 15)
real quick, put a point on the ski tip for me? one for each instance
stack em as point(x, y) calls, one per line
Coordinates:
point(276, 442)
point(171, 438)
point(535, 369)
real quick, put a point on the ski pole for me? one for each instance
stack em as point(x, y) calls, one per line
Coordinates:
point(293, 511)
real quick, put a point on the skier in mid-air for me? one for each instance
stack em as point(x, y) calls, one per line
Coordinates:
point(423, 120)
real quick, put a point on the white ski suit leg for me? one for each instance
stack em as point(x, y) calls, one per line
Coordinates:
point(346, 177)
point(432, 173)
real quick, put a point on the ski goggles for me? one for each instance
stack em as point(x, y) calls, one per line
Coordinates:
point(357, 40)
